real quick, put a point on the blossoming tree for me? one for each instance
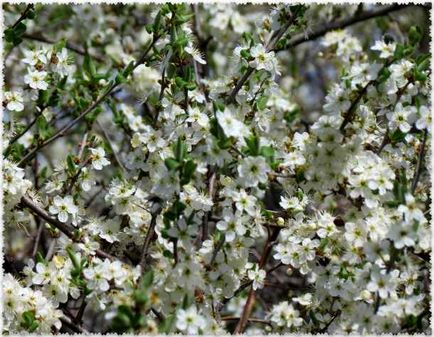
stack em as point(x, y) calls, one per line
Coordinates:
point(213, 169)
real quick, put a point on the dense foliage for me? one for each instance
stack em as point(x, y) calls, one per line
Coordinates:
point(213, 169)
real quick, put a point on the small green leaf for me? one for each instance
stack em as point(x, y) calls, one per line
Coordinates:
point(188, 170)
point(252, 145)
point(89, 66)
point(262, 102)
point(140, 297)
point(129, 69)
point(73, 258)
point(70, 163)
point(167, 324)
point(414, 35)
point(30, 14)
point(147, 280)
point(9, 35)
point(399, 51)
point(20, 29)
point(171, 164)
point(28, 321)
point(180, 150)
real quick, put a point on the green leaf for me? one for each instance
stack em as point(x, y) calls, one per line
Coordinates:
point(129, 69)
point(9, 35)
point(147, 280)
point(420, 76)
point(414, 35)
point(44, 129)
point(186, 302)
point(245, 54)
point(20, 29)
point(73, 258)
point(92, 116)
point(89, 66)
point(140, 297)
point(383, 75)
point(180, 83)
point(423, 62)
point(252, 145)
point(180, 150)
point(167, 253)
point(30, 14)
point(399, 51)
point(397, 136)
point(291, 116)
point(188, 171)
point(28, 321)
point(70, 164)
point(268, 153)
point(218, 106)
point(122, 322)
point(167, 324)
point(172, 164)
point(262, 102)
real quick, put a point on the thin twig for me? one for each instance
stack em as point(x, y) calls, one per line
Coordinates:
point(419, 162)
point(80, 313)
point(269, 47)
point(68, 45)
point(211, 184)
point(37, 239)
point(248, 307)
point(23, 15)
point(302, 38)
point(253, 320)
point(216, 250)
point(18, 136)
point(115, 154)
point(74, 178)
point(149, 236)
point(74, 327)
point(40, 212)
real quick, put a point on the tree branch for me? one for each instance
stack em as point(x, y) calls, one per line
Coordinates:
point(419, 162)
point(23, 15)
point(65, 229)
point(40, 38)
point(68, 126)
point(74, 327)
point(302, 38)
point(242, 323)
point(149, 236)
point(270, 46)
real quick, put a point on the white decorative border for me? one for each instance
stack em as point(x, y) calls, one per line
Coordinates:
point(97, 2)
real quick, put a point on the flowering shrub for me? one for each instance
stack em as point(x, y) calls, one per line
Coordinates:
point(213, 169)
